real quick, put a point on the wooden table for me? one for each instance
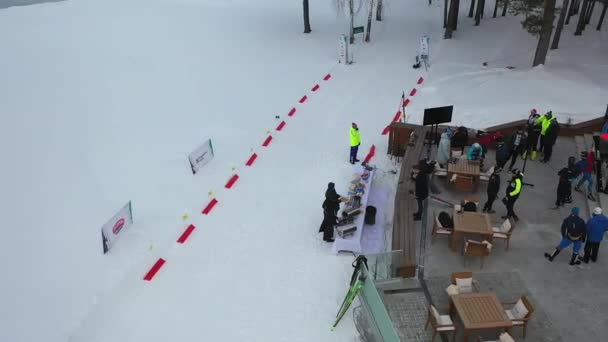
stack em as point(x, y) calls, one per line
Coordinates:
point(468, 222)
point(467, 170)
point(480, 311)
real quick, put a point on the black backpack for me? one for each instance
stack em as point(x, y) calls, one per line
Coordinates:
point(445, 220)
point(370, 215)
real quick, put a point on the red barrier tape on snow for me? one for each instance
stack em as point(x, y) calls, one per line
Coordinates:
point(397, 116)
point(186, 234)
point(152, 272)
point(267, 141)
point(420, 80)
point(413, 92)
point(327, 77)
point(281, 125)
point(315, 88)
point(386, 130)
point(251, 159)
point(209, 206)
point(370, 154)
point(231, 181)
point(303, 99)
point(292, 112)
point(406, 102)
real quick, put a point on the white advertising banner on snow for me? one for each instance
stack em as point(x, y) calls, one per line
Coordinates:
point(117, 224)
point(201, 156)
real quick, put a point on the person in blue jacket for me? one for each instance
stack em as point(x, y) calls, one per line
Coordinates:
point(596, 227)
point(573, 232)
point(475, 152)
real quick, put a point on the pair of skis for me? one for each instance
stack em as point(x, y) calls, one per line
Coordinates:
point(357, 281)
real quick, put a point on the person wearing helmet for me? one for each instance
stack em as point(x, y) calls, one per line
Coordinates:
point(573, 233)
point(596, 227)
point(355, 141)
point(533, 130)
point(512, 194)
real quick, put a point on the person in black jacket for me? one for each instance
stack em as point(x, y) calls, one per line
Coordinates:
point(564, 186)
point(518, 146)
point(533, 130)
point(574, 231)
point(422, 185)
point(493, 188)
point(460, 139)
point(332, 197)
point(329, 221)
point(512, 194)
point(549, 140)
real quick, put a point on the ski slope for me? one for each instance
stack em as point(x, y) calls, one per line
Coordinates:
point(103, 100)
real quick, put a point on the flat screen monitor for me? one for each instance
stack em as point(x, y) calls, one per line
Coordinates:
point(437, 115)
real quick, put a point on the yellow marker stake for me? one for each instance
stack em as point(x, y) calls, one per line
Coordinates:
point(210, 193)
point(185, 217)
point(151, 247)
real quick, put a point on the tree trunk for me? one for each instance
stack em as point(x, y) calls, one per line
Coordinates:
point(455, 14)
point(580, 26)
point(590, 11)
point(545, 33)
point(495, 8)
point(478, 13)
point(351, 8)
point(560, 25)
point(570, 11)
point(379, 11)
point(599, 23)
point(306, 17)
point(577, 8)
point(445, 13)
point(369, 20)
point(504, 9)
point(450, 26)
point(472, 8)
point(483, 8)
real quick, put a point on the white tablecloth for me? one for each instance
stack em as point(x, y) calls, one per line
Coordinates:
point(353, 242)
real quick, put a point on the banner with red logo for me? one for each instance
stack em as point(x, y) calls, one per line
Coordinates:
point(117, 224)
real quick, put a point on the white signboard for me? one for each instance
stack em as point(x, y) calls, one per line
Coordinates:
point(343, 50)
point(424, 47)
point(117, 224)
point(201, 156)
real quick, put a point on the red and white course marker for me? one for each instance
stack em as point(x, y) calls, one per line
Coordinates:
point(186, 234)
point(420, 80)
point(327, 77)
point(303, 99)
point(267, 141)
point(231, 181)
point(406, 102)
point(292, 112)
point(281, 125)
point(209, 206)
point(413, 92)
point(370, 154)
point(397, 116)
point(251, 159)
point(152, 272)
point(386, 130)
point(315, 88)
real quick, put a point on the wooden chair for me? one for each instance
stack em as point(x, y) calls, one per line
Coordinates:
point(475, 249)
point(440, 323)
point(464, 275)
point(523, 302)
point(504, 232)
point(471, 200)
point(438, 229)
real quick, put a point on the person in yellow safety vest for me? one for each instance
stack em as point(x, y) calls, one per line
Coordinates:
point(513, 191)
point(545, 122)
point(355, 141)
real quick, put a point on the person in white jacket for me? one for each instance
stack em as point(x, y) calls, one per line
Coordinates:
point(443, 151)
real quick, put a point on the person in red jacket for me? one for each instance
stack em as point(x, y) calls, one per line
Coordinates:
point(585, 165)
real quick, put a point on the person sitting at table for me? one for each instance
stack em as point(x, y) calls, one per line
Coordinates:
point(475, 152)
point(329, 221)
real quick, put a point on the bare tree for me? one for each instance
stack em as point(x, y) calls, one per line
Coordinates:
point(369, 20)
point(306, 16)
point(379, 11)
point(560, 25)
point(544, 38)
point(573, 4)
point(495, 8)
point(581, 19)
point(479, 13)
point(599, 23)
point(504, 8)
point(590, 11)
point(472, 9)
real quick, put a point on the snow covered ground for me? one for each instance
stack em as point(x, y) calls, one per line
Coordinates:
point(101, 101)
